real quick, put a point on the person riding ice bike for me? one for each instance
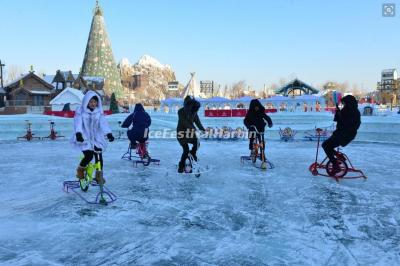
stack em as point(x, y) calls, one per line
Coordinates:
point(348, 121)
point(255, 121)
point(140, 121)
point(186, 130)
point(90, 126)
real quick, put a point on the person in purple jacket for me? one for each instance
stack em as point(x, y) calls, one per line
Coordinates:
point(140, 122)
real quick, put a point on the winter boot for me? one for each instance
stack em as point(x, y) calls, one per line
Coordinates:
point(133, 146)
point(99, 177)
point(181, 167)
point(80, 172)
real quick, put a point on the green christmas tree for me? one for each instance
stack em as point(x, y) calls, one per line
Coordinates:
point(99, 60)
point(114, 104)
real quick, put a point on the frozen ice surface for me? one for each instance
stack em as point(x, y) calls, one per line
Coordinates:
point(233, 215)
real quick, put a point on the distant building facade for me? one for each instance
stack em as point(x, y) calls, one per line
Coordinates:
point(388, 87)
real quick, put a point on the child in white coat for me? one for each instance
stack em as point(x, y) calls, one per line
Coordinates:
point(90, 127)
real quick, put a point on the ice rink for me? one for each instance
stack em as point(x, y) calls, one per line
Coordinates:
point(232, 215)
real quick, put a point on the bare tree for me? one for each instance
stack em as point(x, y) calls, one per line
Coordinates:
point(238, 89)
point(282, 82)
point(225, 91)
point(343, 87)
point(274, 86)
point(14, 72)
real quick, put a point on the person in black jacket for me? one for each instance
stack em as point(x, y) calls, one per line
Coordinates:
point(186, 131)
point(348, 121)
point(256, 117)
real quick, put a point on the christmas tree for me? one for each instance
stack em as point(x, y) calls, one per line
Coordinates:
point(99, 60)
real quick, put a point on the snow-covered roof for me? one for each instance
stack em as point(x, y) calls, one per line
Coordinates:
point(216, 99)
point(48, 78)
point(68, 95)
point(277, 98)
point(39, 92)
point(392, 70)
point(16, 80)
point(308, 97)
point(94, 79)
point(244, 99)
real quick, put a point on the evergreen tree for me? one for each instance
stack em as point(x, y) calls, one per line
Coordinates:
point(99, 60)
point(114, 104)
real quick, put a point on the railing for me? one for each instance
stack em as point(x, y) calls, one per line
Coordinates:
point(35, 109)
point(25, 103)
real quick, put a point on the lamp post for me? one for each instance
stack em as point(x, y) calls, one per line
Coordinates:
point(1, 73)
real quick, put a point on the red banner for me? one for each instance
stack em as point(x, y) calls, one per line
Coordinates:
point(211, 113)
point(231, 112)
point(239, 112)
point(224, 113)
point(67, 114)
point(274, 110)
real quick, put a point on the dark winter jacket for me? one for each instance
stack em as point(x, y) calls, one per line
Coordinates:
point(257, 118)
point(140, 121)
point(348, 120)
point(187, 119)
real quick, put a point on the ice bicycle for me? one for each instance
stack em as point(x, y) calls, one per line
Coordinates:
point(29, 134)
point(104, 196)
point(53, 133)
point(345, 165)
point(258, 152)
point(121, 134)
point(192, 166)
point(319, 133)
point(141, 155)
point(287, 134)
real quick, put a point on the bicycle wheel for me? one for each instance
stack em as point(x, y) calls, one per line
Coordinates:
point(341, 172)
point(188, 166)
point(146, 160)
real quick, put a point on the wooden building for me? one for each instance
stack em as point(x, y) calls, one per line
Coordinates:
point(28, 90)
point(2, 97)
point(64, 78)
point(96, 84)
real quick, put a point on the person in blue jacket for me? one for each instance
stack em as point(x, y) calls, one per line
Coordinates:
point(140, 122)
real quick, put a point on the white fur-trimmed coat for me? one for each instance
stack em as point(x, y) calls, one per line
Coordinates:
point(92, 124)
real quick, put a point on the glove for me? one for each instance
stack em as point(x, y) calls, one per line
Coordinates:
point(79, 137)
point(110, 137)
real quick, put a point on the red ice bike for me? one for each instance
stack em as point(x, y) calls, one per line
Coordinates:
point(346, 169)
point(29, 134)
point(142, 155)
point(53, 133)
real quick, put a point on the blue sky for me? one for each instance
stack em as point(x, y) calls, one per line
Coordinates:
point(226, 41)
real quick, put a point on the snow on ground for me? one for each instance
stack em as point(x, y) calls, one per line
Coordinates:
point(233, 215)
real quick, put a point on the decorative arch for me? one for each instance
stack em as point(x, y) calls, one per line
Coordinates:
point(296, 86)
